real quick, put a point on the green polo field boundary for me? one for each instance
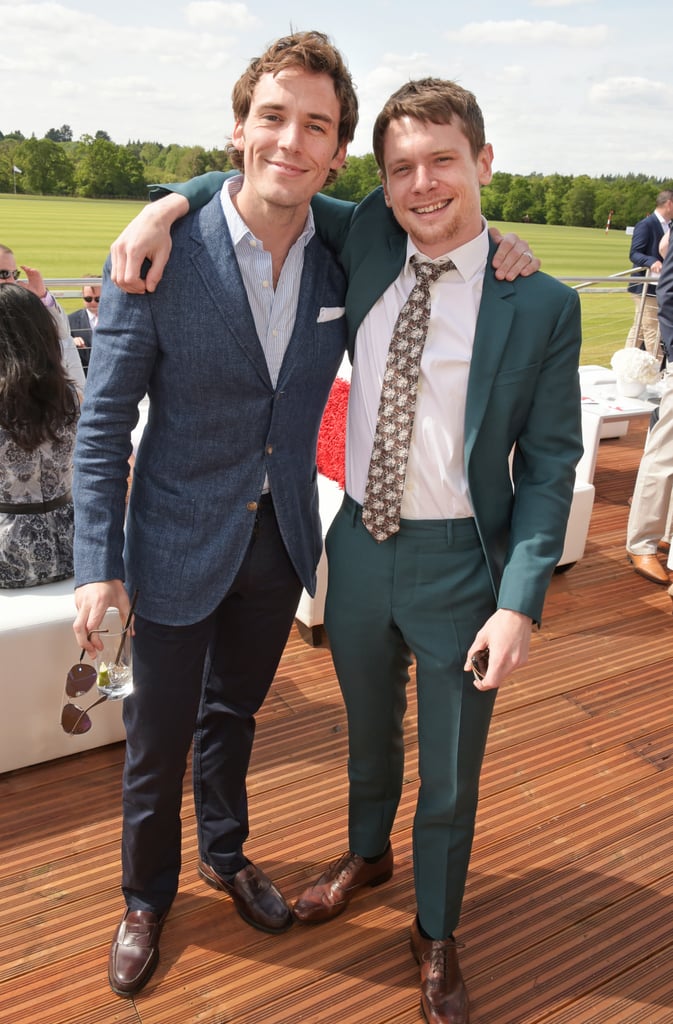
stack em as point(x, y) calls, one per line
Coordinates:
point(65, 237)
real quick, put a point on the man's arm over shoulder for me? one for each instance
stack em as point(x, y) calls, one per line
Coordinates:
point(333, 218)
point(140, 253)
point(197, 191)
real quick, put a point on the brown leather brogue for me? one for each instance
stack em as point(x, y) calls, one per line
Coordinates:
point(651, 568)
point(331, 894)
point(443, 993)
point(134, 953)
point(255, 897)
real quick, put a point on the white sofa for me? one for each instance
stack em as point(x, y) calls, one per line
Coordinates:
point(37, 647)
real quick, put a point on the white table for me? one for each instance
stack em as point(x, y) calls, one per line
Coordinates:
point(600, 398)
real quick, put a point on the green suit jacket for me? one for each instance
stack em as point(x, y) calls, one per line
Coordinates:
point(522, 419)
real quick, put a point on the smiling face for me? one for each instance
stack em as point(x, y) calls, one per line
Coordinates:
point(432, 182)
point(290, 142)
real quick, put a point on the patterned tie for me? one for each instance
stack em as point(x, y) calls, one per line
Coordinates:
point(388, 466)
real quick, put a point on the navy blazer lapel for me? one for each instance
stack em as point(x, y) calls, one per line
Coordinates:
point(494, 321)
point(312, 282)
point(212, 253)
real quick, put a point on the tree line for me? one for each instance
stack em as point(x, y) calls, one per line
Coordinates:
point(95, 167)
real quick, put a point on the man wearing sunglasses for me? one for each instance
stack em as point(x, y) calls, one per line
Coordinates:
point(83, 321)
point(11, 274)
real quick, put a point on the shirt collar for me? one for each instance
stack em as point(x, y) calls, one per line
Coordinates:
point(469, 259)
point(238, 229)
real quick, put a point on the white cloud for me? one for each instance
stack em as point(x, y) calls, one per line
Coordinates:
point(514, 73)
point(212, 12)
point(561, 3)
point(548, 33)
point(634, 90)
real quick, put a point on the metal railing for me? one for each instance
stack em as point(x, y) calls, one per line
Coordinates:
point(607, 311)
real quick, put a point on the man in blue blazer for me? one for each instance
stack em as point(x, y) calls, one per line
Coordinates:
point(237, 351)
point(647, 235)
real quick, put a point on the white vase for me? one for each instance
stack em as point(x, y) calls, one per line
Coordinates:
point(629, 388)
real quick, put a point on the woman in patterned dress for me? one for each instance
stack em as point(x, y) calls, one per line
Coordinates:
point(39, 410)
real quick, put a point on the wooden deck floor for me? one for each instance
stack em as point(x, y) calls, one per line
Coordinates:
point(567, 916)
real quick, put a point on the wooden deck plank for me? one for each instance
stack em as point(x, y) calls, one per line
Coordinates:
point(565, 915)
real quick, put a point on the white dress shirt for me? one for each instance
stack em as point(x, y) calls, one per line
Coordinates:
point(274, 311)
point(436, 484)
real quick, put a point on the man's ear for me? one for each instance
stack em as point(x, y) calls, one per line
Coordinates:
point(238, 136)
point(339, 158)
point(382, 179)
point(485, 164)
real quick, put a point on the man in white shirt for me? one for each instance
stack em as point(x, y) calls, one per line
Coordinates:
point(460, 571)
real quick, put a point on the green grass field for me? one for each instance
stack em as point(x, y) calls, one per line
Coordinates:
point(69, 237)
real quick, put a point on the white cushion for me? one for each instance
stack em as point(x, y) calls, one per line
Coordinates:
point(37, 647)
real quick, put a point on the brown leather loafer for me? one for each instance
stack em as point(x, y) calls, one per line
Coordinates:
point(134, 952)
point(255, 897)
point(331, 894)
point(443, 993)
point(664, 546)
point(651, 568)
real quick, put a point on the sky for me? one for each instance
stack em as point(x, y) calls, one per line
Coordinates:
point(567, 86)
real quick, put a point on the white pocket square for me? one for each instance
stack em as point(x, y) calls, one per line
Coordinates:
point(330, 313)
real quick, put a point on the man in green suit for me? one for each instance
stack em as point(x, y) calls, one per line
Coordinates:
point(486, 493)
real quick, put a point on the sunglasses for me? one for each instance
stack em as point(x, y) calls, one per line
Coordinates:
point(479, 664)
point(91, 298)
point(75, 721)
point(6, 274)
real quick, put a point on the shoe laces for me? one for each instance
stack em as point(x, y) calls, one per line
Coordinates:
point(342, 867)
point(438, 956)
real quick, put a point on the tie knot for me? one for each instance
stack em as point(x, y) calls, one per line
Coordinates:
point(427, 272)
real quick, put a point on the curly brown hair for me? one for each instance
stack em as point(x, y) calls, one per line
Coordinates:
point(308, 51)
point(36, 398)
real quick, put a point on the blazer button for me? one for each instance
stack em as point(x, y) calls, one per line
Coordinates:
point(269, 449)
point(251, 506)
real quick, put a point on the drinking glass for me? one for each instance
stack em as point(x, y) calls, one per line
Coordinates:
point(114, 665)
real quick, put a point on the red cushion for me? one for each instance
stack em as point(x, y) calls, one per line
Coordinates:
point(332, 436)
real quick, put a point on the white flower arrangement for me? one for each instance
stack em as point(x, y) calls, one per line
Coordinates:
point(636, 364)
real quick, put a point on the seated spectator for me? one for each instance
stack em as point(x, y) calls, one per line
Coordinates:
point(39, 409)
point(9, 273)
point(83, 321)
